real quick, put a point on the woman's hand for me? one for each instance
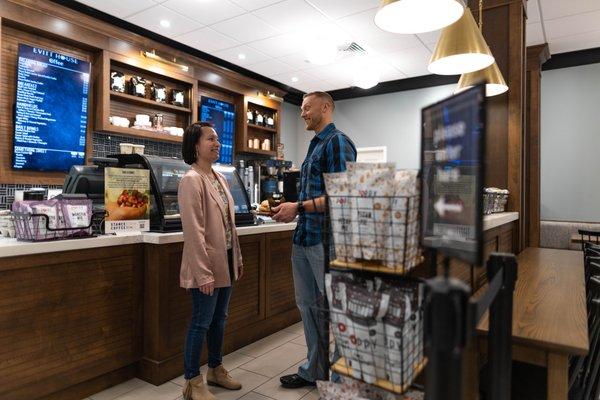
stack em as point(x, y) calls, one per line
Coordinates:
point(208, 288)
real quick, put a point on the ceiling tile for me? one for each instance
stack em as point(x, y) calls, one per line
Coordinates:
point(533, 11)
point(575, 42)
point(340, 8)
point(207, 39)
point(430, 38)
point(297, 60)
point(151, 18)
point(330, 85)
point(384, 44)
point(362, 25)
point(205, 12)
point(291, 15)
point(341, 69)
point(535, 35)
point(552, 9)
point(232, 55)
point(278, 46)
point(312, 86)
point(413, 62)
point(252, 5)
point(271, 67)
point(120, 8)
point(572, 25)
point(246, 28)
point(301, 75)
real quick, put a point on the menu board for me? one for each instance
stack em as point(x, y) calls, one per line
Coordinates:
point(453, 143)
point(222, 115)
point(50, 111)
point(126, 199)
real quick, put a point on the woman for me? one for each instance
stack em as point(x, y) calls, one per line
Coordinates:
point(211, 258)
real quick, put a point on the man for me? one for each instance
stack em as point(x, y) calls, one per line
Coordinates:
point(329, 151)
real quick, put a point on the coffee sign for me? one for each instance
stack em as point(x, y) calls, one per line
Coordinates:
point(453, 133)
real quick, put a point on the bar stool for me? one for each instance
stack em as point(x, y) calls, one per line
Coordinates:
point(589, 237)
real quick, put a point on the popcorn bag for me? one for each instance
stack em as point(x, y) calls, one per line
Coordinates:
point(338, 189)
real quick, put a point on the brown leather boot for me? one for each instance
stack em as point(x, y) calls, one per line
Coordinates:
point(220, 377)
point(195, 389)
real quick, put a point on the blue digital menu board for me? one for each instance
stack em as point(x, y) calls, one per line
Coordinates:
point(222, 115)
point(50, 111)
point(453, 143)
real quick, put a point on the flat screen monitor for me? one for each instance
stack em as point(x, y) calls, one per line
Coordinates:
point(452, 162)
point(51, 110)
point(222, 115)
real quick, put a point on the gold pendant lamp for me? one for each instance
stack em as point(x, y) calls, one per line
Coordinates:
point(417, 16)
point(460, 49)
point(494, 81)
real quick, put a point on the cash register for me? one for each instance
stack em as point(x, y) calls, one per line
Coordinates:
point(165, 174)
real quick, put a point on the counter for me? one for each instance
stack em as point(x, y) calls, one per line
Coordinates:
point(78, 316)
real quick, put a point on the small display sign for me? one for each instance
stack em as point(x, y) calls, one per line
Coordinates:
point(126, 199)
point(452, 152)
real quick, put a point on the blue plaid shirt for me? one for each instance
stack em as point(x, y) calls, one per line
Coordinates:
point(329, 151)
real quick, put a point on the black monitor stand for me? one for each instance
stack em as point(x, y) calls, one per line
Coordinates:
point(451, 319)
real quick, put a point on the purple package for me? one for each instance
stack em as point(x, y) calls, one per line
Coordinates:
point(77, 213)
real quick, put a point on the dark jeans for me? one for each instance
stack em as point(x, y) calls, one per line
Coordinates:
point(209, 314)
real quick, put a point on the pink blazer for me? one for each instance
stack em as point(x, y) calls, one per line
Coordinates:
point(204, 257)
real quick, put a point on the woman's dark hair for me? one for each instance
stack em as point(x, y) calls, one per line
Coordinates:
point(192, 134)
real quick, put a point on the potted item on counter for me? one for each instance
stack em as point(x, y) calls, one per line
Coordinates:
point(159, 93)
point(138, 86)
point(117, 81)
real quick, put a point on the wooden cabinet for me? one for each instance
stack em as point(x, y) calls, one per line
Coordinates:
point(280, 280)
point(252, 131)
point(126, 105)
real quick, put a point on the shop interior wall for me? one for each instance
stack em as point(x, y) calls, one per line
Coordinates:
point(570, 144)
point(391, 120)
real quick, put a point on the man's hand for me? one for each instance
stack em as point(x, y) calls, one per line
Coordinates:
point(285, 212)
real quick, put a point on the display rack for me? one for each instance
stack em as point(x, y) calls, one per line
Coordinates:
point(251, 131)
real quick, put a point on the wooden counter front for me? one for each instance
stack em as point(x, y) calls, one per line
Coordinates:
point(262, 302)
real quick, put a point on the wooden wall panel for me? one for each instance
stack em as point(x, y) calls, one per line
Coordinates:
point(280, 280)
point(68, 320)
point(11, 38)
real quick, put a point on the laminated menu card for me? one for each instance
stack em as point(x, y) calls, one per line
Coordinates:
point(127, 199)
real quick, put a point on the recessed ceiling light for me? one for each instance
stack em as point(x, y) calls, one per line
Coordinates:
point(164, 23)
point(294, 79)
point(242, 56)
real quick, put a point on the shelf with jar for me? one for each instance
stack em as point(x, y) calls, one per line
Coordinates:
point(142, 99)
point(260, 133)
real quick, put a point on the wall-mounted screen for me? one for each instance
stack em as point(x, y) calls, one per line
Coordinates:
point(222, 115)
point(50, 111)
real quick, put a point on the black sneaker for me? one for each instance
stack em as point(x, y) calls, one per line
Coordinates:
point(294, 381)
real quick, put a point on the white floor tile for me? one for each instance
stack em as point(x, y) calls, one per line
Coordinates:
point(301, 340)
point(249, 380)
point(272, 388)
point(267, 344)
point(166, 391)
point(118, 390)
point(254, 396)
point(276, 361)
point(297, 328)
point(312, 395)
point(230, 361)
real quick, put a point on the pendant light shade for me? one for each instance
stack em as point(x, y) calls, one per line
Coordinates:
point(417, 16)
point(495, 83)
point(460, 49)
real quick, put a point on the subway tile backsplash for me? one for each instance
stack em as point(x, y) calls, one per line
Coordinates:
point(103, 145)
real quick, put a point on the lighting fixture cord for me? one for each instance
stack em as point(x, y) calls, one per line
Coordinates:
point(481, 15)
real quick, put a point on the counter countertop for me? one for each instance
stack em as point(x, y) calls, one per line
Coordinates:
point(12, 247)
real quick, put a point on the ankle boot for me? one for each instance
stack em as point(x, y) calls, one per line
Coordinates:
point(195, 389)
point(220, 377)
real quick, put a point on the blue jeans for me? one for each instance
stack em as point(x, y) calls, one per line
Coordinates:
point(208, 321)
point(309, 285)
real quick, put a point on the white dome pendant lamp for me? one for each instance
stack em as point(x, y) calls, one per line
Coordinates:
point(461, 48)
point(417, 16)
point(494, 81)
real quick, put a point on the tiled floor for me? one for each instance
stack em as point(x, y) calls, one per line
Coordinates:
point(258, 366)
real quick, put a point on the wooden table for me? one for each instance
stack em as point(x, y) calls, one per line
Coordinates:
point(549, 313)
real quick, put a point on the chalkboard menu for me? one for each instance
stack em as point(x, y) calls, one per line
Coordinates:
point(453, 143)
point(222, 115)
point(50, 111)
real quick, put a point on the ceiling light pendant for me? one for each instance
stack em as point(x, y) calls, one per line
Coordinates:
point(417, 16)
point(494, 81)
point(461, 48)
point(365, 72)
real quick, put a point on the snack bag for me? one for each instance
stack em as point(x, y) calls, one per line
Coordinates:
point(338, 190)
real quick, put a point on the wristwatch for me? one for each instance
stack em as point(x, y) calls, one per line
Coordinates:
point(299, 207)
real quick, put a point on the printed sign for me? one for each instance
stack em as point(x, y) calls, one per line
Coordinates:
point(453, 134)
point(127, 199)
